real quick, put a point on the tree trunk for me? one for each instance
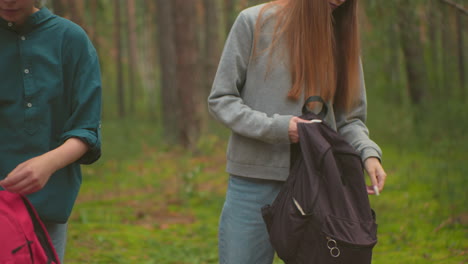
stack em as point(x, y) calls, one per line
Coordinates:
point(212, 43)
point(393, 64)
point(147, 56)
point(132, 51)
point(450, 52)
point(229, 11)
point(461, 55)
point(242, 4)
point(167, 60)
point(118, 59)
point(255, 2)
point(435, 25)
point(59, 8)
point(76, 11)
point(94, 23)
point(186, 70)
point(413, 53)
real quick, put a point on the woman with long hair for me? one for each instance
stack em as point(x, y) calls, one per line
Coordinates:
point(276, 56)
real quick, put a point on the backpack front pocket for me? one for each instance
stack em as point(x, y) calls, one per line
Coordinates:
point(286, 230)
point(338, 241)
point(14, 247)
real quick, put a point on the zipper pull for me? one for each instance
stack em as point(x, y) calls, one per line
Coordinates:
point(333, 247)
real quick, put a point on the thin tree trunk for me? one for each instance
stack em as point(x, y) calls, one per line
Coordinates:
point(461, 54)
point(255, 2)
point(147, 57)
point(76, 11)
point(203, 56)
point(411, 44)
point(59, 8)
point(93, 29)
point(395, 60)
point(229, 11)
point(212, 43)
point(434, 45)
point(450, 52)
point(118, 58)
point(167, 61)
point(132, 51)
point(444, 57)
point(186, 69)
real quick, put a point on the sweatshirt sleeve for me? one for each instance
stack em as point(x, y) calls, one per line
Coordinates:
point(225, 102)
point(351, 125)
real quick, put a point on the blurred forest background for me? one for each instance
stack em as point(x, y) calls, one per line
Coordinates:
point(156, 194)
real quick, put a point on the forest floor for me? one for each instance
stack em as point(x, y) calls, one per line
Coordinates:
point(146, 202)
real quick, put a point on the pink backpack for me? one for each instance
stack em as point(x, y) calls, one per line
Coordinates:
point(23, 237)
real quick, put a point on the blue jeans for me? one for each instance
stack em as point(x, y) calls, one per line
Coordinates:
point(58, 235)
point(243, 237)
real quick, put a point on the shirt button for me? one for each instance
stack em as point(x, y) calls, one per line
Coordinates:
point(29, 105)
point(26, 71)
point(23, 38)
point(10, 24)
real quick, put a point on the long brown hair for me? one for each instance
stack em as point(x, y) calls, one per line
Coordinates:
point(323, 47)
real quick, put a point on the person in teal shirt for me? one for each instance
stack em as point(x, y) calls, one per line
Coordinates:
point(50, 110)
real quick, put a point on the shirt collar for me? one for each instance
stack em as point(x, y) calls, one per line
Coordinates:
point(33, 21)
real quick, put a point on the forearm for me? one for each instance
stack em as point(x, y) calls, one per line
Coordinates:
point(245, 121)
point(33, 174)
point(70, 151)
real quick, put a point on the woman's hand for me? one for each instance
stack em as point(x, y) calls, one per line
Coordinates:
point(293, 135)
point(376, 173)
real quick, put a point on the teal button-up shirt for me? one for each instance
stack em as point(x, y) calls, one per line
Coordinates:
point(50, 91)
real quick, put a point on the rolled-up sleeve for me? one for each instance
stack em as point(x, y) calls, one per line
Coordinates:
point(84, 121)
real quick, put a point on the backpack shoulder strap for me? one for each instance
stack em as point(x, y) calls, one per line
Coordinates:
point(323, 113)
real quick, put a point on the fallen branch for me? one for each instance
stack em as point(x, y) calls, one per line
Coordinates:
point(458, 219)
point(457, 6)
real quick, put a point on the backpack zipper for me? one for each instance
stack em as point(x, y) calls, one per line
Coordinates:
point(14, 251)
point(346, 244)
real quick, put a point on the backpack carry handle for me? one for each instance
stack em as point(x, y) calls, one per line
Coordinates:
point(319, 99)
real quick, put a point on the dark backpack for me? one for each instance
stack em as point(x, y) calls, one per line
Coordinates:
point(322, 214)
point(23, 237)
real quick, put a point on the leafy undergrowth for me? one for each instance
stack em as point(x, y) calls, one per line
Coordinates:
point(146, 202)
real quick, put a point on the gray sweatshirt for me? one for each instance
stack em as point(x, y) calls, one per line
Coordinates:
point(250, 98)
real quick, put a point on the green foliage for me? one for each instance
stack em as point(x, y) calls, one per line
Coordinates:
point(135, 207)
